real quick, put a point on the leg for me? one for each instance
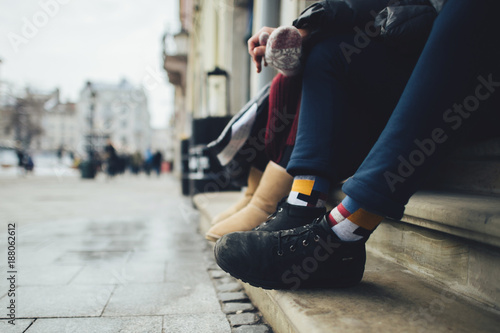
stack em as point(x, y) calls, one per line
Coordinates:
point(335, 93)
point(345, 104)
point(453, 85)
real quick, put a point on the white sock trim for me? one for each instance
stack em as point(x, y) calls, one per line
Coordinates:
point(293, 200)
point(337, 216)
point(345, 231)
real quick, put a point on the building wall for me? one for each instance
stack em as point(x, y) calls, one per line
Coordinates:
point(60, 128)
point(120, 114)
point(217, 39)
point(218, 31)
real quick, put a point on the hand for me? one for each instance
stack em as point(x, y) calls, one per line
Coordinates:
point(304, 33)
point(256, 50)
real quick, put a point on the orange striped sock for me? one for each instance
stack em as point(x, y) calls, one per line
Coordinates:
point(311, 191)
point(350, 222)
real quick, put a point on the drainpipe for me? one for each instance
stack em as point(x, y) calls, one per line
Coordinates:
point(269, 11)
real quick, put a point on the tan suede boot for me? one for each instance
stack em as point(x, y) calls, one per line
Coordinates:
point(274, 185)
point(253, 181)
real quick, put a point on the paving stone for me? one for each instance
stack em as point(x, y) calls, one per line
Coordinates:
point(34, 256)
point(121, 274)
point(209, 253)
point(252, 329)
point(231, 307)
point(161, 299)
point(186, 273)
point(233, 297)
point(225, 280)
point(217, 273)
point(213, 266)
point(187, 241)
point(201, 299)
point(85, 243)
point(124, 245)
point(19, 327)
point(243, 319)
point(98, 325)
point(43, 275)
point(93, 257)
point(143, 256)
point(229, 287)
point(60, 301)
point(188, 256)
point(208, 322)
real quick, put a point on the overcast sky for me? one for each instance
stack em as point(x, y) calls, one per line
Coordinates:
point(47, 44)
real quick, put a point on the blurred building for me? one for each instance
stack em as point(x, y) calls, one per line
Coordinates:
point(209, 63)
point(118, 112)
point(37, 121)
point(59, 123)
point(6, 94)
point(7, 103)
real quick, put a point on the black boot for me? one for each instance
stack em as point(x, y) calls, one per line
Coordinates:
point(311, 256)
point(290, 216)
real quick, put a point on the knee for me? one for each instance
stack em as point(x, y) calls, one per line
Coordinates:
point(326, 56)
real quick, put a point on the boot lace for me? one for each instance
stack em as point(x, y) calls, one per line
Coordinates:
point(303, 236)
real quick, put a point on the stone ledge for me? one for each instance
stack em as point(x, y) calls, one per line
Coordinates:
point(453, 238)
point(470, 216)
point(474, 217)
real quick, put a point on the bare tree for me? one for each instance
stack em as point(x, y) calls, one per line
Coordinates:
point(24, 119)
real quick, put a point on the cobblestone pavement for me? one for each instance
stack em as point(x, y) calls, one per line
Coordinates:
point(105, 256)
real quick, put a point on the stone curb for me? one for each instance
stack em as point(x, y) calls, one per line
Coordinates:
point(242, 315)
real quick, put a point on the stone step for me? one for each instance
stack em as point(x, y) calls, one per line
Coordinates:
point(473, 168)
point(434, 271)
point(471, 216)
point(468, 176)
point(389, 299)
point(453, 238)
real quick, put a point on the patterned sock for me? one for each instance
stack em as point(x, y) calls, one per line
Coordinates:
point(350, 222)
point(284, 49)
point(310, 191)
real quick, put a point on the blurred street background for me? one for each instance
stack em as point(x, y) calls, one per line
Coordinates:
point(111, 86)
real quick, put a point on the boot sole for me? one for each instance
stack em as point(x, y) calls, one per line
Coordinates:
point(212, 237)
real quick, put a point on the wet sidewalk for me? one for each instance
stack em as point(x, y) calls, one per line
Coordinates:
point(104, 256)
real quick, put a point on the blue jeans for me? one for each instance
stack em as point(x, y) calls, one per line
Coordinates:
point(452, 88)
point(346, 102)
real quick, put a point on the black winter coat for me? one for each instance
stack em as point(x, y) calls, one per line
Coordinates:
point(404, 25)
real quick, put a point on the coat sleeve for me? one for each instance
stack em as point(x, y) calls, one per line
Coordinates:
point(406, 27)
point(337, 16)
